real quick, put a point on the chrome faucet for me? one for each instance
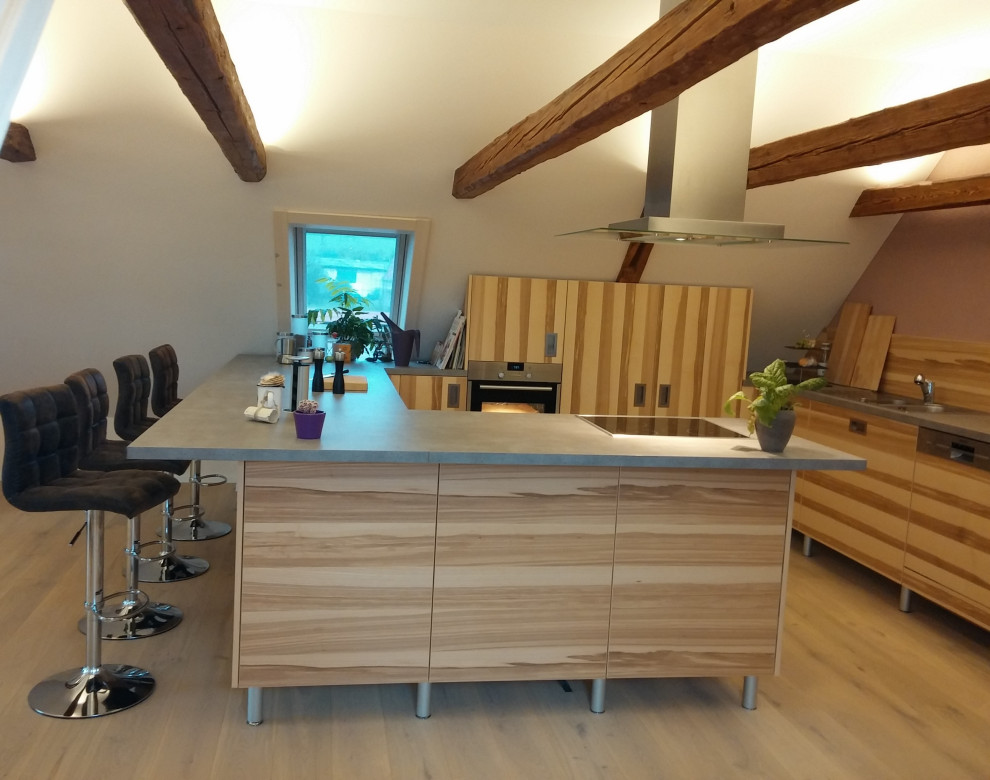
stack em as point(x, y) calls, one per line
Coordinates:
point(927, 388)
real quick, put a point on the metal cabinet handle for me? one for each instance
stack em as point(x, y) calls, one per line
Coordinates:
point(857, 426)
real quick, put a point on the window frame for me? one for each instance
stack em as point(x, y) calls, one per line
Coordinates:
point(417, 230)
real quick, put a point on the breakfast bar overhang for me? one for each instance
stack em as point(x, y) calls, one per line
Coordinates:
point(421, 547)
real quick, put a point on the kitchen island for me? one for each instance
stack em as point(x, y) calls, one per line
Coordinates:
point(430, 547)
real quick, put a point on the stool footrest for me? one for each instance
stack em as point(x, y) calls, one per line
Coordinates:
point(210, 480)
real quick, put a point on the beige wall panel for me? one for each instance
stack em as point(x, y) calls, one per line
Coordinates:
point(337, 572)
point(524, 567)
point(699, 567)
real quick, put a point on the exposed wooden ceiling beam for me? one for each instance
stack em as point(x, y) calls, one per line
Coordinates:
point(634, 263)
point(960, 117)
point(17, 146)
point(926, 196)
point(688, 44)
point(187, 36)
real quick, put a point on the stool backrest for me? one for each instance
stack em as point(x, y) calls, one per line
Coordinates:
point(41, 438)
point(89, 388)
point(165, 376)
point(130, 418)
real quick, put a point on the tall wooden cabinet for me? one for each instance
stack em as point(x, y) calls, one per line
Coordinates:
point(631, 349)
point(508, 318)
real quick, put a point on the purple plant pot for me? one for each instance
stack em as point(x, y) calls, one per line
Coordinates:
point(309, 426)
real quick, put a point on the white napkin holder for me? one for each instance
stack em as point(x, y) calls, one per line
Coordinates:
point(262, 414)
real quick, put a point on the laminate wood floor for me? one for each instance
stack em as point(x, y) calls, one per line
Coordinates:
point(865, 692)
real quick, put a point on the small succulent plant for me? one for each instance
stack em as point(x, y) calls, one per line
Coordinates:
point(307, 406)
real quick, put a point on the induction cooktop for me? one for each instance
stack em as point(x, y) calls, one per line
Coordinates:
point(660, 426)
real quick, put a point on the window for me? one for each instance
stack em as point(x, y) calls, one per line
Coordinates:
point(370, 262)
point(383, 258)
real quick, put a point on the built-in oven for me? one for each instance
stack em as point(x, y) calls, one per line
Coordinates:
point(514, 387)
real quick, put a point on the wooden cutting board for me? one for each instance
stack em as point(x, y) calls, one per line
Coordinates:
point(873, 352)
point(845, 345)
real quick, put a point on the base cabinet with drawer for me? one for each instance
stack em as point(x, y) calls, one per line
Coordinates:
point(862, 514)
point(428, 392)
point(947, 557)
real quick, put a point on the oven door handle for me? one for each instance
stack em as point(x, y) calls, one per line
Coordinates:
point(534, 388)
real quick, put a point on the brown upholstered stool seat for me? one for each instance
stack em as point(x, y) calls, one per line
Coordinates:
point(41, 474)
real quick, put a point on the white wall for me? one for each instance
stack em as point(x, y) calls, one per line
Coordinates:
point(131, 229)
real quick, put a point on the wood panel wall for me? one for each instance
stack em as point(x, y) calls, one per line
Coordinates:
point(960, 370)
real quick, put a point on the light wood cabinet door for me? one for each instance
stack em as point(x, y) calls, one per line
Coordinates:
point(428, 392)
point(509, 318)
point(862, 514)
point(948, 541)
point(523, 572)
point(704, 342)
point(611, 348)
point(336, 573)
point(653, 350)
point(700, 562)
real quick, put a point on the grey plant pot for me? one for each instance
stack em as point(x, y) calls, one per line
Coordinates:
point(775, 437)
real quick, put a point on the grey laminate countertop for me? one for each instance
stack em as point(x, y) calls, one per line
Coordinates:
point(375, 426)
point(951, 419)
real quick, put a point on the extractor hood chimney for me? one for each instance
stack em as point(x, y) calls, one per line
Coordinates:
point(698, 166)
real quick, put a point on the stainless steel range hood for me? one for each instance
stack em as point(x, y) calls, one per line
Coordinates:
point(698, 165)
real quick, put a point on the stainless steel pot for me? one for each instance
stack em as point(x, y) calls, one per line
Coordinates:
point(285, 345)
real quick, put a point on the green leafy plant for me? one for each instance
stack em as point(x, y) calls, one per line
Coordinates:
point(346, 319)
point(775, 394)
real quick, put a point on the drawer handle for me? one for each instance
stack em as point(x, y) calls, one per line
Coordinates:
point(639, 395)
point(857, 426)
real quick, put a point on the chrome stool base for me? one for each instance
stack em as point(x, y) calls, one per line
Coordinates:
point(90, 693)
point(171, 568)
point(193, 529)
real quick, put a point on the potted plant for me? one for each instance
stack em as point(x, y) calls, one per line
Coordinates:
point(309, 419)
point(771, 412)
point(346, 320)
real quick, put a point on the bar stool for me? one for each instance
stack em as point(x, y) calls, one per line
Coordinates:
point(164, 397)
point(41, 474)
point(130, 420)
point(137, 618)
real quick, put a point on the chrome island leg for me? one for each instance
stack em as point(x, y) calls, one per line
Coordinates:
point(254, 696)
point(905, 599)
point(423, 700)
point(750, 683)
point(598, 695)
point(806, 546)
